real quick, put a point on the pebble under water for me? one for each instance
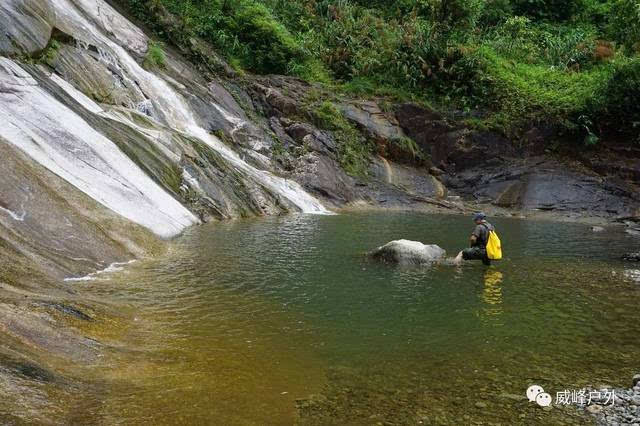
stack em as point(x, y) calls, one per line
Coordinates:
point(285, 320)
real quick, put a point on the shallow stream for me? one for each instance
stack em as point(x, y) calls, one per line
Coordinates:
point(284, 319)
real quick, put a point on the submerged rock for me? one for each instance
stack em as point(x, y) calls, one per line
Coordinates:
point(632, 257)
point(405, 252)
point(633, 232)
point(68, 310)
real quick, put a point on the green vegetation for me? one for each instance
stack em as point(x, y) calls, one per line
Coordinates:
point(244, 31)
point(618, 102)
point(50, 53)
point(155, 55)
point(407, 147)
point(507, 64)
point(354, 151)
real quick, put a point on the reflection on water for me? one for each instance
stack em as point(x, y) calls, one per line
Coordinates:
point(284, 320)
point(492, 293)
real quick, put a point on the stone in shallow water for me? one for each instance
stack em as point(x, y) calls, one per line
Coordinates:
point(481, 405)
point(594, 409)
point(407, 252)
point(632, 257)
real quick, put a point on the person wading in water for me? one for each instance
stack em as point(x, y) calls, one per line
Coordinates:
point(479, 238)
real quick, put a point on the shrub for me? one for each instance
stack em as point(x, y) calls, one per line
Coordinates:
point(617, 104)
point(155, 56)
point(552, 10)
point(504, 63)
point(268, 47)
point(241, 30)
point(496, 12)
point(327, 116)
point(50, 53)
point(556, 45)
point(520, 94)
point(624, 24)
point(354, 151)
point(457, 16)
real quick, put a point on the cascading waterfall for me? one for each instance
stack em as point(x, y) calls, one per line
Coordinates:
point(163, 100)
point(54, 135)
point(145, 107)
point(60, 140)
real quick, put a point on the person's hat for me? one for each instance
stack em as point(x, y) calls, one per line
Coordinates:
point(479, 216)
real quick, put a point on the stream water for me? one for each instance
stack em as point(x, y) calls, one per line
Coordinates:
point(284, 320)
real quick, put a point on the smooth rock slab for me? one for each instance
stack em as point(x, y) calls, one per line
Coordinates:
point(26, 26)
point(405, 252)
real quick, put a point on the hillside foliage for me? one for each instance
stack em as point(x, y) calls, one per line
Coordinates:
point(504, 64)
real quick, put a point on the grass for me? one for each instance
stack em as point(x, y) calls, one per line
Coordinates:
point(50, 53)
point(520, 93)
point(409, 147)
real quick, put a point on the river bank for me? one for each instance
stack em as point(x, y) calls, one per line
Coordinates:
point(625, 409)
point(208, 317)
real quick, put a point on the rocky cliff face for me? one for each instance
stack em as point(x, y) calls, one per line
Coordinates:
point(138, 144)
point(164, 146)
point(101, 159)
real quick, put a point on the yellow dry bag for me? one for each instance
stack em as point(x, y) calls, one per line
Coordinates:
point(494, 247)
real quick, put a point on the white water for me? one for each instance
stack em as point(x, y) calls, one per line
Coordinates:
point(114, 267)
point(62, 141)
point(15, 216)
point(163, 98)
point(191, 181)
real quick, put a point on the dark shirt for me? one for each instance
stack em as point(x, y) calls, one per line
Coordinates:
point(481, 232)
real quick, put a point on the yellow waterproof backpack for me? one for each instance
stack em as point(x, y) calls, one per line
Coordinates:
point(494, 247)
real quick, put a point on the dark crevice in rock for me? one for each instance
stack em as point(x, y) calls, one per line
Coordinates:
point(26, 369)
point(67, 309)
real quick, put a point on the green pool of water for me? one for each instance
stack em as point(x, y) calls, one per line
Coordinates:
point(284, 320)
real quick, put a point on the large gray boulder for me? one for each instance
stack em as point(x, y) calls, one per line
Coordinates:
point(405, 252)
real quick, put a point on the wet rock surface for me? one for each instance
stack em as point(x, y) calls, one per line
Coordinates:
point(545, 185)
point(68, 233)
point(26, 26)
point(423, 125)
point(479, 167)
point(623, 410)
point(320, 175)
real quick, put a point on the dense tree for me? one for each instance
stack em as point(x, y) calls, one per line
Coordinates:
point(517, 61)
